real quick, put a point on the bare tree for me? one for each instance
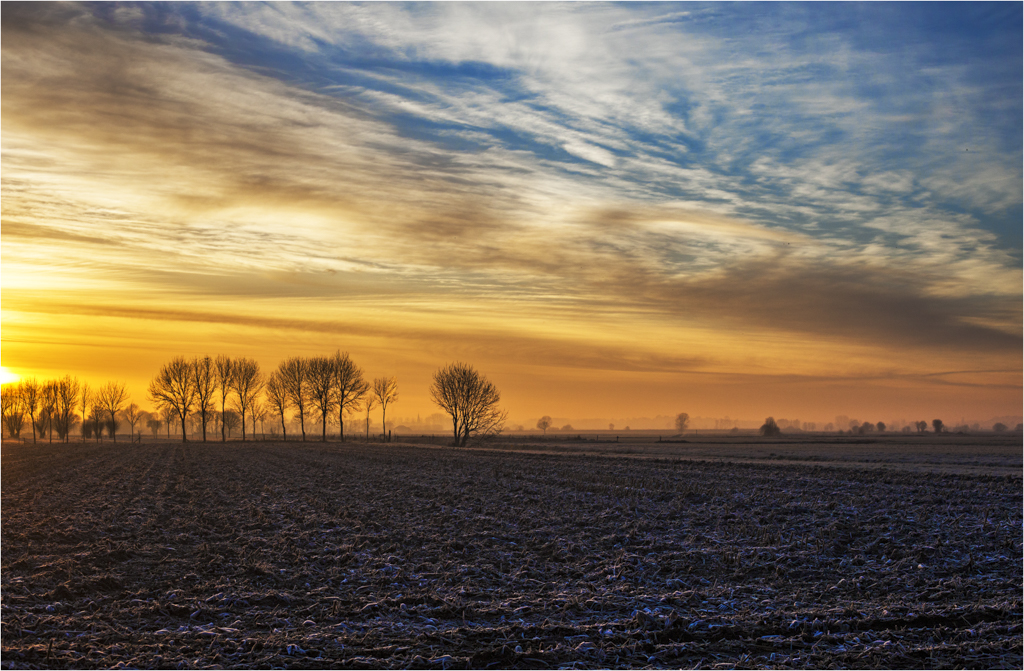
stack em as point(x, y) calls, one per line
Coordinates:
point(544, 423)
point(349, 388)
point(174, 388)
point(224, 369)
point(277, 394)
point(385, 390)
point(370, 403)
point(294, 376)
point(169, 414)
point(111, 397)
point(770, 428)
point(30, 398)
point(230, 420)
point(48, 407)
point(68, 390)
point(321, 377)
point(258, 412)
point(682, 421)
point(134, 415)
point(247, 384)
point(96, 417)
point(207, 381)
point(154, 423)
point(471, 400)
point(87, 397)
point(12, 409)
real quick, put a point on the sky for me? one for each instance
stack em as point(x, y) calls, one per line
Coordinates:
point(610, 210)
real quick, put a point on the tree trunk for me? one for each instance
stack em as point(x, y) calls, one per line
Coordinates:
point(184, 436)
point(341, 423)
point(113, 431)
point(223, 429)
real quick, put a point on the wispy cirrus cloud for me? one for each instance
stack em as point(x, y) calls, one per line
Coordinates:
point(717, 167)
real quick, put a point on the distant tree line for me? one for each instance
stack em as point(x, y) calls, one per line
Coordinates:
point(234, 393)
point(50, 407)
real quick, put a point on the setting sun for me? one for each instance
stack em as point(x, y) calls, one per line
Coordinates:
point(7, 376)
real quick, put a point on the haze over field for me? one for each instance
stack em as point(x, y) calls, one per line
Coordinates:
point(610, 210)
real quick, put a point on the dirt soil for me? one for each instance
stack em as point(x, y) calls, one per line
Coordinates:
point(166, 555)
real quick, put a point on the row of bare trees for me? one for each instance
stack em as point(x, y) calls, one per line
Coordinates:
point(50, 408)
point(184, 390)
point(318, 387)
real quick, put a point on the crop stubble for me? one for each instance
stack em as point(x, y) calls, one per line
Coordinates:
point(306, 555)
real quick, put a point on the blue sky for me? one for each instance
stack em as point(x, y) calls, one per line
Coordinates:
point(748, 94)
point(758, 184)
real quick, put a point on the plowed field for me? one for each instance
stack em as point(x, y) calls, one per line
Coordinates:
point(315, 556)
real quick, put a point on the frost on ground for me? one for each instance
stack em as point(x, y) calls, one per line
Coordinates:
point(309, 555)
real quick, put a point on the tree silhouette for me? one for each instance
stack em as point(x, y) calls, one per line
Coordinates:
point(937, 425)
point(349, 388)
point(48, 407)
point(12, 409)
point(133, 414)
point(682, 421)
point(87, 396)
point(320, 374)
point(999, 427)
point(881, 427)
point(174, 389)
point(277, 394)
point(68, 389)
point(294, 376)
point(921, 426)
point(369, 404)
point(770, 429)
point(30, 399)
point(96, 422)
point(224, 372)
point(111, 397)
point(258, 412)
point(544, 423)
point(247, 383)
point(205, 371)
point(470, 399)
point(230, 420)
point(385, 390)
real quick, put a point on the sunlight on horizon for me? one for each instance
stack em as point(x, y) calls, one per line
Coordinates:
point(617, 225)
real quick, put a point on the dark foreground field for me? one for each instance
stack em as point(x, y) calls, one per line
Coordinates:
point(271, 554)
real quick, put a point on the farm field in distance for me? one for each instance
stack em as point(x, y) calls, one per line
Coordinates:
point(807, 553)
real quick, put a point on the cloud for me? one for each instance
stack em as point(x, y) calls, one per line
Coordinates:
point(511, 155)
